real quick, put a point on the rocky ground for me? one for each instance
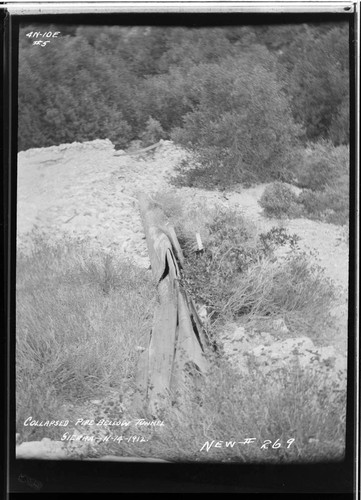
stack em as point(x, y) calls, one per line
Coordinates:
point(89, 191)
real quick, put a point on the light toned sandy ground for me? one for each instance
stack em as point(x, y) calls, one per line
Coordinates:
point(84, 190)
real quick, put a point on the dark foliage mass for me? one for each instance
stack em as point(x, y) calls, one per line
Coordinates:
point(241, 98)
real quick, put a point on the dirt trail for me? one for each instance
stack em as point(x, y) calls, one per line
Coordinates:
point(85, 191)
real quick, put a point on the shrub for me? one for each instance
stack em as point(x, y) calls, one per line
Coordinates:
point(227, 275)
point(331, 202)
point(320, 94)
point(293, 288)
point(338, 205)
point(120, 135)
point(153, 132)
point(94, 103)
point(277, 237)
point(164, 98)
point(321, 165)
point(313, 203)
point(230, 245)
point(331, 205)
point(278, 200)
point(239, 273)
point(340, 125)
point(240, 127)
point(315, 175)
point(323, 172)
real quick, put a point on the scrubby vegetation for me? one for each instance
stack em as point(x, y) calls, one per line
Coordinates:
point(230, 407)
point(251, 104)
point(81, 318)
point(323, 173)
point(107, 82)
point(279, 200)
point(244, 274)
point(242, 128)
point(325, 176)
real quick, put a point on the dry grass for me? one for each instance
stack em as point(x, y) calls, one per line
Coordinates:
point(229, 407)
point(80, 318)
point(79, 321)
point(291, 288)
point(242, 275)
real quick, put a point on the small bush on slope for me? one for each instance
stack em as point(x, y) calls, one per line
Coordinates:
point(331, 205)
point(278, 200)
point(239, 275)
point(321, 165)
point(152, 133)
point(323, 173)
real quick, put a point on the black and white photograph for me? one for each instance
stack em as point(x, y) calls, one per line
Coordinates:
point(182, 238)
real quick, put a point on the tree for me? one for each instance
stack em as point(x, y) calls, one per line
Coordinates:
point(189, 46)
point(242, 128)
point(71, 94)
point(319, 84)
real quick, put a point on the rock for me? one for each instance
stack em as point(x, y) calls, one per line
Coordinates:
point(283, 350)
point(239, 334)
point(45, 449)
point(245, 349)
point(266, 338)
point(280, 325)
point(203, 313)
point(301, 351)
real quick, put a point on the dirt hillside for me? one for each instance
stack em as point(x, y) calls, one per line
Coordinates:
point(86, 191)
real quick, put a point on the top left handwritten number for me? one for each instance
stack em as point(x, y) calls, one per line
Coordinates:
point(39, 37)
